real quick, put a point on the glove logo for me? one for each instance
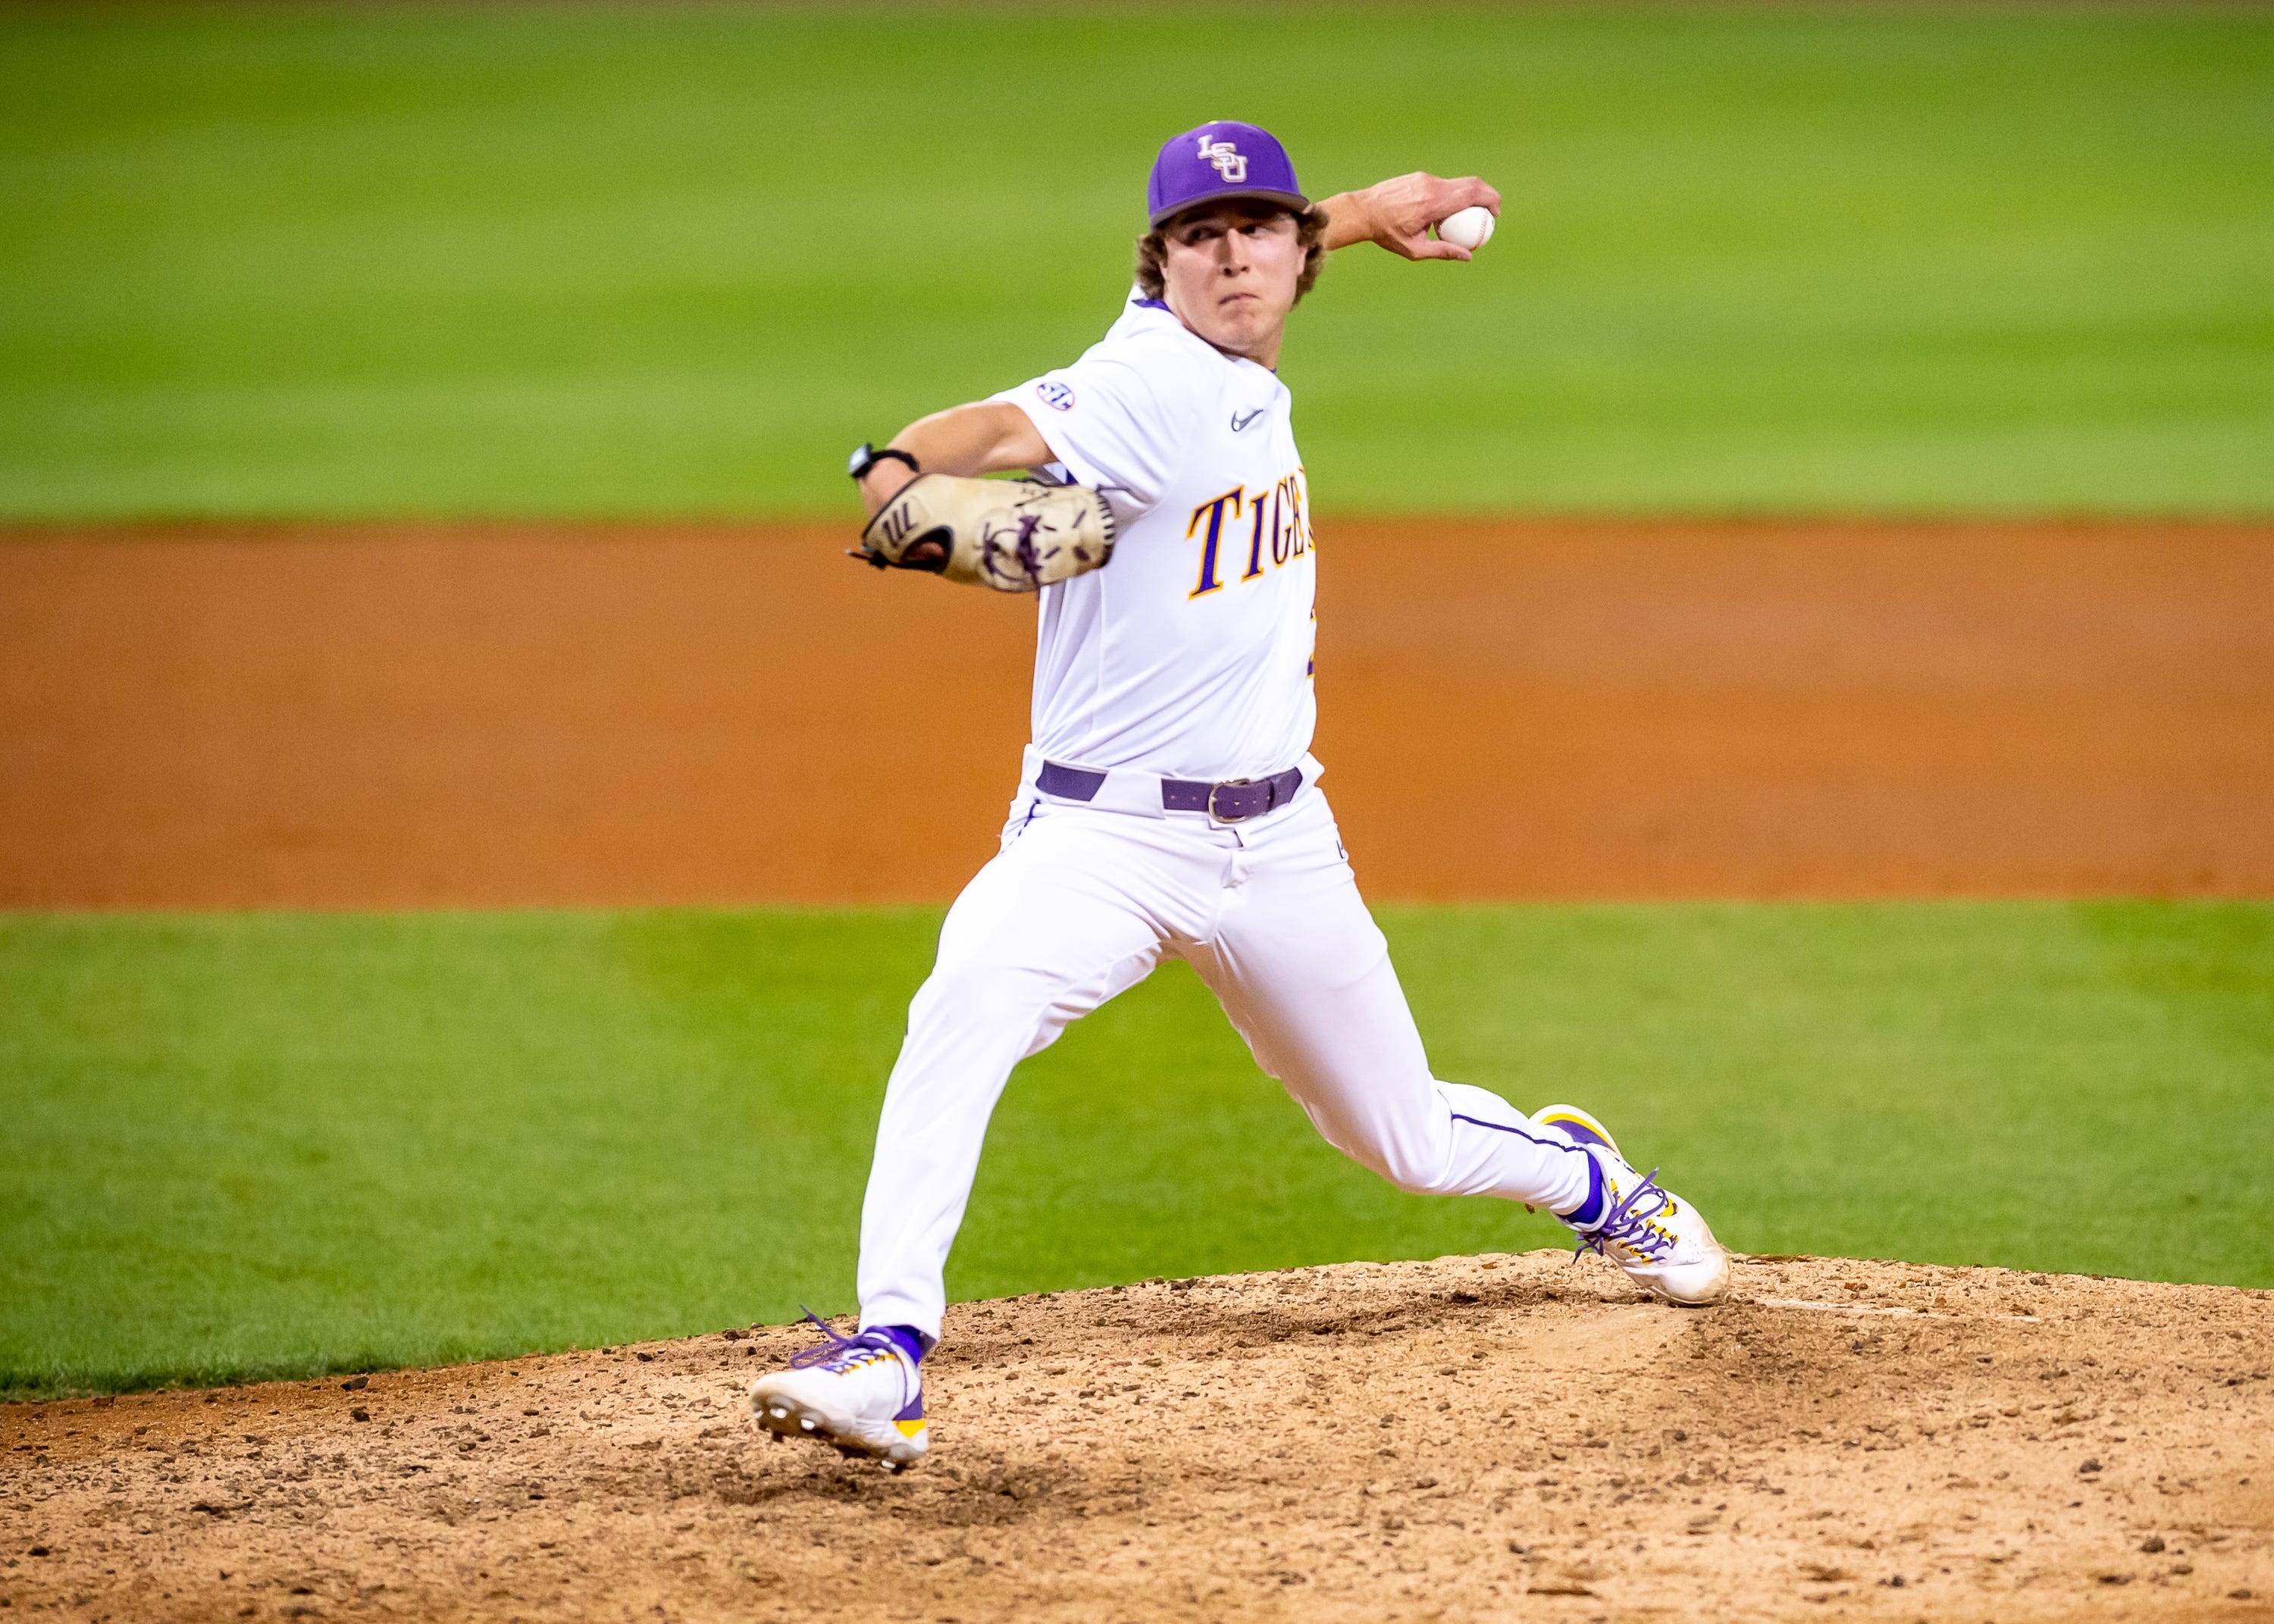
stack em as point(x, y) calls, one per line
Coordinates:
point(1226, 159)
point(1055, 395)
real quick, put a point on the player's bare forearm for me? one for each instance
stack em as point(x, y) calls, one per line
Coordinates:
point(1398, 213)
point(987, 437)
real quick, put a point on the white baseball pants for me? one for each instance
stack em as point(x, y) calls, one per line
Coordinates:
point(1079, 906)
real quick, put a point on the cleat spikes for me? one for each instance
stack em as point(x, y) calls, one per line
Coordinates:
point(860, 1394)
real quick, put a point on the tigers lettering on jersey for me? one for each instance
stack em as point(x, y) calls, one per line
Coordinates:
point(1282, 512)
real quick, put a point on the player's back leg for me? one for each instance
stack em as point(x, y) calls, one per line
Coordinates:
point(1304, 974)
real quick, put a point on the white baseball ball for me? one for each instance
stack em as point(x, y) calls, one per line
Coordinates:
point(1470, 228)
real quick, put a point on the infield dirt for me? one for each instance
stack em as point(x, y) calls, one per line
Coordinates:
point(1473, 1438)
point(389, 715)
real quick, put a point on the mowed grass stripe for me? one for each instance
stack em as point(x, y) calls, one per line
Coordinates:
point(668, 260)
point(244, 1146)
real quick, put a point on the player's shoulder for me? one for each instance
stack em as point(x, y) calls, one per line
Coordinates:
point(1146, 335)
point(1152, 361)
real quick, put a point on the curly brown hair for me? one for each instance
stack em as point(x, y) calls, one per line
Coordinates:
point(1310, 231)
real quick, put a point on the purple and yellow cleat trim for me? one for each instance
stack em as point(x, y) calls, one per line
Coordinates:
point(1578, 1126)
point(911, 1420)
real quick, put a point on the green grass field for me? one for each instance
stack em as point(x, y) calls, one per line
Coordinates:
point(386, 260)
point(247, 1146)
point(393, 260)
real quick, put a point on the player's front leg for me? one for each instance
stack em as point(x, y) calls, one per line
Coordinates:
point(1067, 917)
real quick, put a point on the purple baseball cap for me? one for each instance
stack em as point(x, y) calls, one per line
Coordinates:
point(1222, 159)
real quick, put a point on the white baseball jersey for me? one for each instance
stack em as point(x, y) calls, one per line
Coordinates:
point(1189, 655)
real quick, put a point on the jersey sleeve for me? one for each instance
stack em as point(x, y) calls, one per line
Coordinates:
point(1119, 419)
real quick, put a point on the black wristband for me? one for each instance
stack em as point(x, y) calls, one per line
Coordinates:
point(867, 456)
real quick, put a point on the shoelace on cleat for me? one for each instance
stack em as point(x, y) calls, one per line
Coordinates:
point(1628, 1223)
point(839, 1354)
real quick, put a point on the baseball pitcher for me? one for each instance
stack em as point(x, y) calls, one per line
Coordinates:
point(1169, 802)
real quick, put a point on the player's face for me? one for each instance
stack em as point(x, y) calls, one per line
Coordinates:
point(1230, 272)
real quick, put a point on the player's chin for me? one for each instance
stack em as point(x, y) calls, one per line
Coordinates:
point(1240, 322)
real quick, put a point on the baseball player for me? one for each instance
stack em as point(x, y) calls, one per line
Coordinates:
point(1169, 802)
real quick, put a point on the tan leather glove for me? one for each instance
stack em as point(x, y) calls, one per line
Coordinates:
point(1013, 535)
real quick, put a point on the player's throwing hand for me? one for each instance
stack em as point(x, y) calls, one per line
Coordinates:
point(1397, 214)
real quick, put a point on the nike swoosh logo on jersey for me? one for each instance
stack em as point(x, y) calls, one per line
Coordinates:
point(1241, 419)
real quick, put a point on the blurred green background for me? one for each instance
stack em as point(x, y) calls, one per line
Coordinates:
point(671, 259)
point(399, 261)
point(245, 1145)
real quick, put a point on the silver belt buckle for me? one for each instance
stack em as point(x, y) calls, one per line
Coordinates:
point(1227, 784)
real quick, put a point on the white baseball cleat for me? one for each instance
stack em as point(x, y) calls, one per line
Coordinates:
point(859, 1393)
point(1660, 1241)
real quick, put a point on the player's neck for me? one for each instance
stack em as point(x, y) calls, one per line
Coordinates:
point(1264, 350)
point(1260, 348)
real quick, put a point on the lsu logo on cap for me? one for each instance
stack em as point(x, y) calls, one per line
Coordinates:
point(1055, 394)
point(1226, 159)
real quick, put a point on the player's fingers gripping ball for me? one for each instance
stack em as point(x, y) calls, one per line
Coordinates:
point(1012, 534)
point(1467, 227)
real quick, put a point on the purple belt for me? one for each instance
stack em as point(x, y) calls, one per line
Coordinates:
point(1231, 802)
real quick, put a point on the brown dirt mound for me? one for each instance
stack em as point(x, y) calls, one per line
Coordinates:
point(1513, 1437)
point(399, 716)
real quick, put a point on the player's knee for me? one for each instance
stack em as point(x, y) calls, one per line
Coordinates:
point(1389, 1150)
point(1412, 1168)
point(955, 998)
point(1416, 1180)
point(976, 997)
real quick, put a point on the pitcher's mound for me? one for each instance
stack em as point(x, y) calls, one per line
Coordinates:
point(1516, 1436)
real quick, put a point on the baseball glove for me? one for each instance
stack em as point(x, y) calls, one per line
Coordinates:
point(1013, 535)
